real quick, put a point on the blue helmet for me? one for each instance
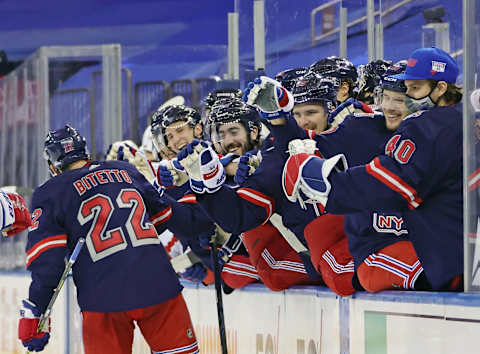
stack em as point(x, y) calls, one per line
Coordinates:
point(218, 94)
point(369, 77)
point(64, 146)
point(313, 88)
point(288, 77)
point(232, 110)
point(390, 81)
point(165, 116)
point(340, 68)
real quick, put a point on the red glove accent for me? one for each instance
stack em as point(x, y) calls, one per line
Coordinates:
point(366, 108)
point(27, 329)
point(23, 218)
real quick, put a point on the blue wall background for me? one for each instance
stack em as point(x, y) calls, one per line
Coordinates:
point(167, 40)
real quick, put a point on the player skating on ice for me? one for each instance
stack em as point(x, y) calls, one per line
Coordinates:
point(123, 274)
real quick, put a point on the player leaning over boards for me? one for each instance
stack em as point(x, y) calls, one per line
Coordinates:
point(123, 274)
point(419, 173)
point(378, 240)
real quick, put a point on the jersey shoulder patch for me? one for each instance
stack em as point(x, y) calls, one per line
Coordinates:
point(414, 115)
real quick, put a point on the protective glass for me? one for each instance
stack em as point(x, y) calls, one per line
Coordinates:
point(393, 101)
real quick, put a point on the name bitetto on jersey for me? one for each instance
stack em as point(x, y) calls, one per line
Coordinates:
point(93, 179)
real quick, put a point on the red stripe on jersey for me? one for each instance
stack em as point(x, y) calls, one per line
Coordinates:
point(259, 199)
point(394, 182)
point(45, 245)
point(474, 180)
point(188, 198)
point(162, 216)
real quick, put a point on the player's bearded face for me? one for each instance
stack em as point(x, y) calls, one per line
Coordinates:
point(233, 138)
point(311, 116)
point(394, 108)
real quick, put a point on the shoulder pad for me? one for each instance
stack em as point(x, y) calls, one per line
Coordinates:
point(414, 115)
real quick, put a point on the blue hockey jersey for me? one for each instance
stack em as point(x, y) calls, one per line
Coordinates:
point(360, 137)
point(419, 174)
point(252, 204)
point(123, 265)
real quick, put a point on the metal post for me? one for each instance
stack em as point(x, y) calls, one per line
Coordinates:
point(468, 144)
point(24, 134)
point(13, 101)
point(112, 94)
point(371, 29)
point(343, 32)
point(259, 33)
point(44, 125)
point(379, 41)
point(233, 52)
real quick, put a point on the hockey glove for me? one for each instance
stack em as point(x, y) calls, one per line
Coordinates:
point(117, 150)
point(272, 100)
point(15, 216)
point(212, 170)
point(309, 174)
point(346, 108)
point(189, 159)
point(28, 333)
point(247, 165)
point(297, 146)
point(171, 174)
point(195, 273)
point(228, 249)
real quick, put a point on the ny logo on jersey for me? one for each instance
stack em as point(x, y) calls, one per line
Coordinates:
point(389, 224)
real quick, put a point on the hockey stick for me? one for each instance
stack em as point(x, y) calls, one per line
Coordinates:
point(218, 292)
point(68, 266)
point(295, 243)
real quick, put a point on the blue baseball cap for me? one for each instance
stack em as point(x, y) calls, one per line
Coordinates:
point(430, 64)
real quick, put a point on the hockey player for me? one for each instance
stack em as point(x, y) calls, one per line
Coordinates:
point(165, 125)
point(124, 274)
point(343, 70)
point(419, 173)
point(14, 214)
point(260, 196)
point(371, 235)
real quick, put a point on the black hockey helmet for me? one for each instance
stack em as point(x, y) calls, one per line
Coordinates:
point(162, 118)
point(232, 110)
point(340, 68)
point(369, 78)
point(288, 77)
point(64, 146)
point(313, 88)
point(215, 95)
point(389, 82)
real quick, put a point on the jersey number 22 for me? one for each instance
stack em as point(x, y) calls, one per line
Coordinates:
point(102, 243)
